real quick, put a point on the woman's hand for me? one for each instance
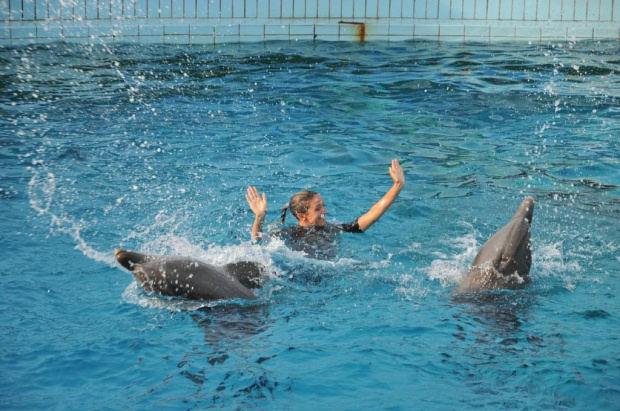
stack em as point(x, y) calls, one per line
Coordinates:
point(397, 173)
point(257, 203)
point(398, 176)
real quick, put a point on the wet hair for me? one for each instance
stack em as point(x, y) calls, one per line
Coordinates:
point(298, 203)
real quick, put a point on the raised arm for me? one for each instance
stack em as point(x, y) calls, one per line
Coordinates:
point(258, 204)
point(398, 177)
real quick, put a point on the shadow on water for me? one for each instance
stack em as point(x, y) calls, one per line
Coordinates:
point(498, 350)
point(501, 313)
point(231, 323)
point(230, 365)
point(235, 364)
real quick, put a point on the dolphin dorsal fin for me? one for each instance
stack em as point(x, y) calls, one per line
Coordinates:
point(247, 273)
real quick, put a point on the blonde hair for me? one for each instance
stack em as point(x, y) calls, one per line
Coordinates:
point(298, 203)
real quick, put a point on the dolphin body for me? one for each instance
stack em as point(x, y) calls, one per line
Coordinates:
point(190, 278)
point(504, 261)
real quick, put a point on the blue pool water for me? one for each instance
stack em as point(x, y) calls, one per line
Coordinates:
point(152, 147)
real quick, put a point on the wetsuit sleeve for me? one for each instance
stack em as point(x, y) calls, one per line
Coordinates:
point(352, 227)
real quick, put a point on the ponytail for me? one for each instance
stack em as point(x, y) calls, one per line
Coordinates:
point(283, 214)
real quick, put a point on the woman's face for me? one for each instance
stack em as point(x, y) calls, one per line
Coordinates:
point(315, 216)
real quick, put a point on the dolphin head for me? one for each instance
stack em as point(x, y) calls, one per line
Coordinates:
point(504, 260)
point(516, 254)
point(129, 259)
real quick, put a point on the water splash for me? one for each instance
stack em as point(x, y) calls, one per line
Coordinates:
point(41, 190)
point(552, 263)
point(412, 289)
point(449, 269)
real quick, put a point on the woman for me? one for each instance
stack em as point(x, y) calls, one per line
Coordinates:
point(309, 209)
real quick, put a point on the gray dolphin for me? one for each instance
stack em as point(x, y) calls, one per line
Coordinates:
point(190, 278)
point(504, 261)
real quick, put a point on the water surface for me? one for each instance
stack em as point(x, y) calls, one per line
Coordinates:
point(152, 147)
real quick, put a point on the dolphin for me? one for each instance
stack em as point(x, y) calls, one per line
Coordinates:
point(504, 261)
point(190, 278)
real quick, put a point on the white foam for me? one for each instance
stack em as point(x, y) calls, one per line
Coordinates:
point(553, 262)
point(449, 269)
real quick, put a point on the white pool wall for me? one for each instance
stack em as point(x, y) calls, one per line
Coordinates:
point(226, 21)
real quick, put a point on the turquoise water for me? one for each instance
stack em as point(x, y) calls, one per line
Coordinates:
point(152, 147)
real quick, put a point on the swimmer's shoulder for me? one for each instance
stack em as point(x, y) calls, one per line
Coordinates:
point(352, 227)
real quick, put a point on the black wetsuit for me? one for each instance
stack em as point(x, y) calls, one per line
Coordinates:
point(318, 242)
